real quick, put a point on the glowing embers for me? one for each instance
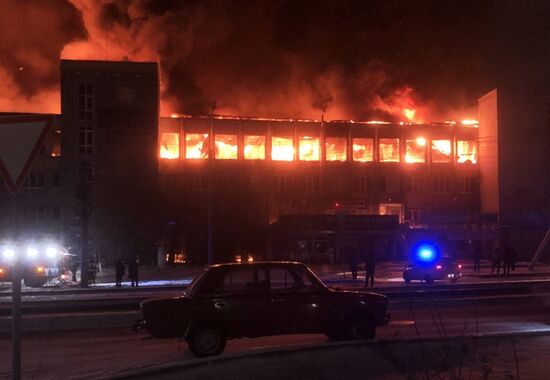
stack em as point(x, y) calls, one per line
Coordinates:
point(415, 151)
point(309, 148)
point(254, 147)
point(170, 146)
point(388, 150)
point(336, 149)
point(226, 147)
point(282, 148)
point(441, 150)
point(466, 152)
point(196, 145)
point(363, 149)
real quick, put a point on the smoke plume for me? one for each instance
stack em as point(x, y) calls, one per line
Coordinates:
point(388, 60)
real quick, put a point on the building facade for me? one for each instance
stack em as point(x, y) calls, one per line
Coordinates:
point(109, 120)
point(515, 162)
point(255, 171)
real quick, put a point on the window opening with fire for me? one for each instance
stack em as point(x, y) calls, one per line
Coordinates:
point(254, 147)
point(309, 148)
point(363, 149)
point(170, 145)
point(196, 145)
point(226, 147)
point(56, 144)
point(415, 151)
point(441, 151)
point(282, 148)
point(466, 152)
point(336, 148)
point(388, 150)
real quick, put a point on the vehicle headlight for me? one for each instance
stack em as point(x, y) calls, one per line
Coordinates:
point(32, 253)
point(8, 253)
point(39, 269)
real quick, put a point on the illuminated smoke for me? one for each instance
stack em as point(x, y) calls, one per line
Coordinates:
point(295, 59)
point(32, 34)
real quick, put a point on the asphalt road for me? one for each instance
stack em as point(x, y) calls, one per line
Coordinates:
point(88, 354)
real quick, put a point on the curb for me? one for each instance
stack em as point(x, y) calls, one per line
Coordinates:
point(157, 370)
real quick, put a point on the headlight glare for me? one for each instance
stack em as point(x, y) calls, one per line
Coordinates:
point(32, 253)
point(51, 252)
point(8, 253)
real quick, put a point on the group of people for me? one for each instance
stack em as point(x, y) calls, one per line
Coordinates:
point(120, 271)
point(91, 269)
point(504, 257)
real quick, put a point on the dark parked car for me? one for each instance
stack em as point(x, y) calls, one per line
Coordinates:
point(441, 269)
point(259, 299)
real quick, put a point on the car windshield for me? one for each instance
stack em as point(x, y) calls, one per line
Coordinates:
point(309, 278)
point(195, 285)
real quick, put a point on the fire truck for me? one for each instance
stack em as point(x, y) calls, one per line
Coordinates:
point(37, 263)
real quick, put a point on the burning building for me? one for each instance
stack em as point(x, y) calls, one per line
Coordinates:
point(261, 171)
point(270, 188)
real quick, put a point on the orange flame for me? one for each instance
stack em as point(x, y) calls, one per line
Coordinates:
point(282, 148)
point(409, 113)
point(254, 147)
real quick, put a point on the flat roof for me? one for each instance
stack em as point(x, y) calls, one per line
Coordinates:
point(109, 66)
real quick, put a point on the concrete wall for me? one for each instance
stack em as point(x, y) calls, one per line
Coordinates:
point(488, 152)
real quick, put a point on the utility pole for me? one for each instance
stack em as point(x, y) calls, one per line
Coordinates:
point(84, 210)
point(211, 153)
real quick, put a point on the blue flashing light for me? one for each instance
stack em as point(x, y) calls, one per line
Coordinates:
point(426, 253)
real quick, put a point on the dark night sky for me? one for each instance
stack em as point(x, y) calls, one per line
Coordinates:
point(283, 58)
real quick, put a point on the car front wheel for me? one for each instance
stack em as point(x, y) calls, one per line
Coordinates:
point(206, 341)
point(357, 329)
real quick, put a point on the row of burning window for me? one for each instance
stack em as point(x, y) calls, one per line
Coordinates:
point(197, 146)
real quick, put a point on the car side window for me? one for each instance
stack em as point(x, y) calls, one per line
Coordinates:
point(236, 280)
point(282, 280)
point(243, 280)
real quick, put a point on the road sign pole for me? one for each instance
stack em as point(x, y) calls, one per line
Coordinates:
point(16, 322)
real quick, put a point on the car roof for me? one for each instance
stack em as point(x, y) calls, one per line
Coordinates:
point(257, 263)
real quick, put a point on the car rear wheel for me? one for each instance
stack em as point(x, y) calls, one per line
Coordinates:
point(206, 341)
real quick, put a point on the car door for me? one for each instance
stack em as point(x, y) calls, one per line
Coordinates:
point(241, 303)
point(311, 302)
point(297, 305)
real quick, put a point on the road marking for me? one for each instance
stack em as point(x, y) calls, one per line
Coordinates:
point(402, 323)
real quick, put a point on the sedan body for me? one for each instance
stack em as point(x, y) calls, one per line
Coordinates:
point(260, 299)
point(442, 269)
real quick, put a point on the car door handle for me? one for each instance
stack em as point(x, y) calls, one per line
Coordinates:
point(220, 305)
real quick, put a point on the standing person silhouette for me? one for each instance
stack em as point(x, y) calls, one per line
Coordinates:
point(370, 267)
point(133, 273)
point(476, 255)
point(497, 259)
point(119, 272)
